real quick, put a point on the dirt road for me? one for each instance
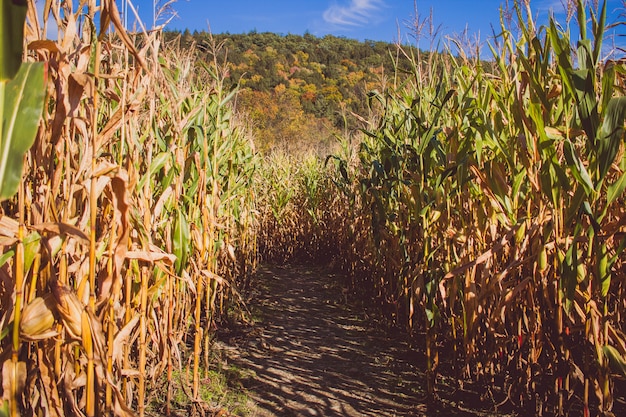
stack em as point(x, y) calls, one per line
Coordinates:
point(312, 354)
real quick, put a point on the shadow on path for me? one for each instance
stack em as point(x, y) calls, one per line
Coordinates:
point(310, 354)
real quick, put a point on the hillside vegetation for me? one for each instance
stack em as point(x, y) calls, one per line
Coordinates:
point(298, 91)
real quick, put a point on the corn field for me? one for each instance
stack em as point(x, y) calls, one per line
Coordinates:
point(481, 209)
point(492, 200)
point(132, 221)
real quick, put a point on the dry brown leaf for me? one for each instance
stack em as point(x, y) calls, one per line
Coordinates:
point(158, 207)
point(121, 338)
point(59, 228)
point(151, 256)
point(214, 277)
point(70, 33)
point(79, 85)
point(484, 257)
point(231, 252)
point(7, 241)
point(69, 394)
point(106, 168)
point(110, 15)
point(8, 226)
point(54, 406)
point(46, 45)
point(13, 378)
point(111, 285)
point(114, 123)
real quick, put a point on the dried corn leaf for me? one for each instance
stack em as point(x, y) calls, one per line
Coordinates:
point(58, 228)
point(13, 380)
point(111, 285)
point(8, 226)
point(110, 14)
point(121, 338)
point(152, 256)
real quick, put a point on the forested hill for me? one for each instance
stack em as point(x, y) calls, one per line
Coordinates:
point(298, 88)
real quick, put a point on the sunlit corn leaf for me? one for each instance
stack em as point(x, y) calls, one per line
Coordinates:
point(23, 99)
point(611, 134)
point(615, 190)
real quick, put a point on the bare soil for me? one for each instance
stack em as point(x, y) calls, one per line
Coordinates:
point(312, 352)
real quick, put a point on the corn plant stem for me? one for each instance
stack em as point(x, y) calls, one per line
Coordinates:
point(604, 365)
point(111, 325)
point(170, 337)
point(207, 335)
point(108, 397)
point(558, 215)
point(62, 278)
point(90, 389)
point(208, 253)
point(19, 300)
point(93, 211)
point(32, 291)
point(93, 198)
point(588, 336)
point(127, 317)
point(144, 275)
point(110, 341)
point(197, 338)
point(143, 332)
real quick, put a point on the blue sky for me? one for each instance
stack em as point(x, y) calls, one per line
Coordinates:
point(385, 20)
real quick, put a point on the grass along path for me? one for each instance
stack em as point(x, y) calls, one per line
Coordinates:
point(312, 354)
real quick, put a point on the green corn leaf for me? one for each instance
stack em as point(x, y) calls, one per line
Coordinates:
point(584, 90)
point(4, 408)
point(615, 190)
point(181, 240)
point(158, 162)
point(6, 256)
point(561, 46)
point(611, 134)
point(578, 168)
point(12, 17)
point(608, 85)
point(229, 97)
point(582, 19)
point(617, 362)
point(598, 32)
point(32, 244)
point(603, 268)
point(21, 106)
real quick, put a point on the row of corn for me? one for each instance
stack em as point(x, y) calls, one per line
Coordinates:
point(132, 224)
point(483, 211)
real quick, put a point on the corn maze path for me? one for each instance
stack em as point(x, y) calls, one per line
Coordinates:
point(312, 354)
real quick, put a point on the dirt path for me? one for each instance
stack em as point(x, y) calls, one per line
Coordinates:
point(311, 354)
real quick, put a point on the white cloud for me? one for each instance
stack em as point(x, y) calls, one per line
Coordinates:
point(356, 13)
